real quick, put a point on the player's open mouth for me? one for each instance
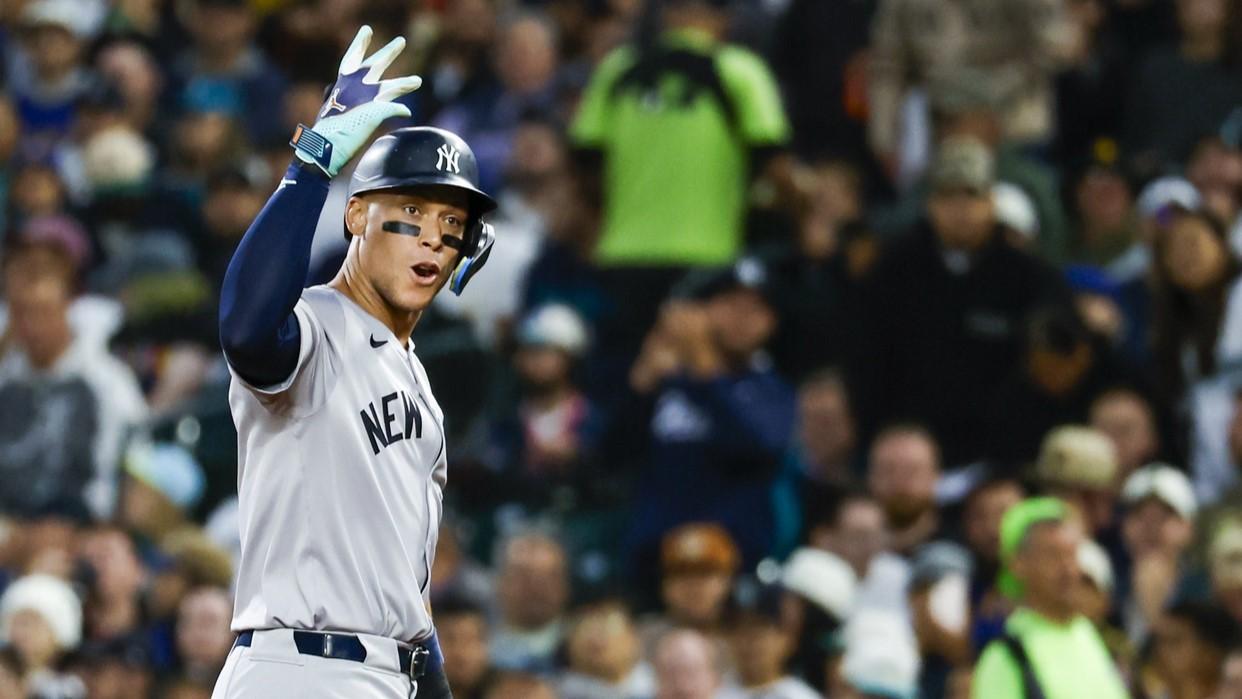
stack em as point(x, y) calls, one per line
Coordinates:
point(426, 272)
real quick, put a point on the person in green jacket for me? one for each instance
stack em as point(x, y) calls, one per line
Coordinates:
point(1049, 650)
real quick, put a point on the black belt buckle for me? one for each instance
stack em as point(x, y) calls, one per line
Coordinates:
point(417, 662)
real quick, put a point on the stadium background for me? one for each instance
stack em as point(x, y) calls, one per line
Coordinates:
point(717, 307)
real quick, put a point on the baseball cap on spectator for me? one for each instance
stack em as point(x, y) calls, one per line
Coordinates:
point(699, 547)
point(554, 325)
point(60, 232)
point(169, 469)
point(823, 578)
point(118, 160)
point(1077, 457)
point(965, 163)
point(881, 654)
point(1164, 483)
point(1093, 562)
point(1015, 209)
point(49, 597)
point(81, 18)
point(1225, 553)
point(128, 651)
point(1016, 522)
point(747, 273)
point(1165, 192)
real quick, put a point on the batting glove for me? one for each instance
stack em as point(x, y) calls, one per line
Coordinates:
point(357, 103)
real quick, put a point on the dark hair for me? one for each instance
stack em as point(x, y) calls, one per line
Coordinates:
point(456, 604)
point(1211, 624)
point(1181, 316)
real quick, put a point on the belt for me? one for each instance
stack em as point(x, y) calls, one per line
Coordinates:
point(344, 646)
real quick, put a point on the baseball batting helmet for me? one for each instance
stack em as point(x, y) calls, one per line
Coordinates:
point(423, 156)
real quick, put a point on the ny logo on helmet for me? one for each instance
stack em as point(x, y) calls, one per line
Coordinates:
point(446, 157)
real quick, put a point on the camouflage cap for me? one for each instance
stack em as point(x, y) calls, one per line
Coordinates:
point(963, 163)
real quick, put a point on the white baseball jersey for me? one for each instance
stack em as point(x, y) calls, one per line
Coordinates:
point(340, 477)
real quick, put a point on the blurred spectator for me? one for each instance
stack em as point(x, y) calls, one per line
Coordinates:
point(68, 405)
point(1079, 465)
point(1011, 54)
point(1064, 367)
point(41, 621)
point(552, 433)
point(1106, 231)
point(224, 68)
point(455, 572)
point(1095, 589)
point(1126, 416)
point(119, 668)
point(164, 484)
point(203, 635)
point(826, 454)
point(1225, 566)
point(688, 666)
point(1040, 570)
point(1190, 644)
point(722, 415)
point(698, 562)
point(35, 189)
point(902, 475)
point(458, 63)
point(982, 510)
point(232, 201)
point(947, 302)
point(855, 529)
point(1215, 169)
point(1198, 331)
point(526, 71)
point(1157, 527)
point(819, 52)
point(1200, 69)
point(605, 656)
point(821, 273)
point(113, 604)
point(762, 644)
point(532, 590)
point(138, 79)
point(1090, 90)
point(820, 591)
point(53, 74)
point(462, 627)
point(678, 124)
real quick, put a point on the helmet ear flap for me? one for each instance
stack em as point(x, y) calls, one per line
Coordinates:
point(473, 256)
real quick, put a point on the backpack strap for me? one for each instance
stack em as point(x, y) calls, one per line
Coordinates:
point(1030, 684)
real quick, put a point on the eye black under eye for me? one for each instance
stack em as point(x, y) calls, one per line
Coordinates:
point(453, 242)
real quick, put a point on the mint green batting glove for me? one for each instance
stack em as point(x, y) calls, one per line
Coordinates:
point(358, 102)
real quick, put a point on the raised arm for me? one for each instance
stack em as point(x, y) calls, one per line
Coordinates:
point(258, 331)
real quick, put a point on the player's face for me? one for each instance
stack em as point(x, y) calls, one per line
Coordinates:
point(410, 242)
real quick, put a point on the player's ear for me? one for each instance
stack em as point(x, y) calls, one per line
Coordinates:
point(355, 216)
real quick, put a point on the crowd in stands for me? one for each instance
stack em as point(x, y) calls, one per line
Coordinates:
point(850, 349)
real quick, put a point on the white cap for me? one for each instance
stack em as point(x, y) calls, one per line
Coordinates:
point(1093, 561)
point(1165, 483)
point(82, 18)
point(823, 578)
point(117, 157)
point(1167, 191)
point(1015, 209)
point(555, 325)
point(881, 654)
point(52, 599)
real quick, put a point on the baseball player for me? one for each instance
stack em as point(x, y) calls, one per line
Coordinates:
point(341, 454)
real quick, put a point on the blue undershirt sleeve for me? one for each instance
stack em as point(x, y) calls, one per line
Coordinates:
point(258, 330)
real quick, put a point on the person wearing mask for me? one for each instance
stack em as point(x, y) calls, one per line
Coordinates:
point(1049, 646)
